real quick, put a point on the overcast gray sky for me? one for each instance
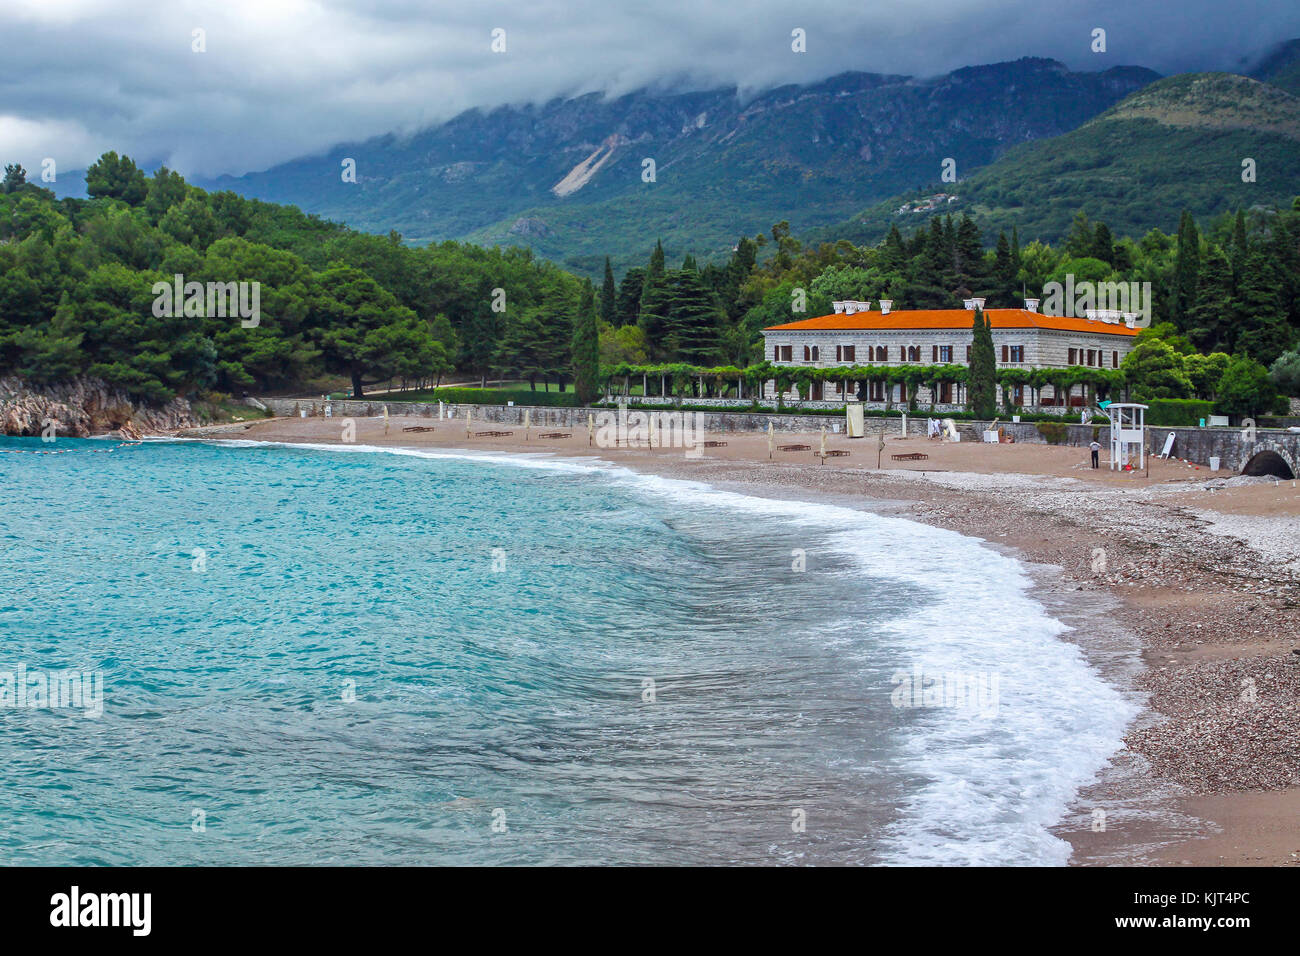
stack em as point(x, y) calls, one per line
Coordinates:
point(284, 78)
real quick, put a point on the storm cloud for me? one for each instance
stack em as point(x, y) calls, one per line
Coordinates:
point(284, 78)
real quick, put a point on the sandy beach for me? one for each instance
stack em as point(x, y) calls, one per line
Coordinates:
point(1200, 572)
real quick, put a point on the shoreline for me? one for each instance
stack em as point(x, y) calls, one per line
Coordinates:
point(1196, 583)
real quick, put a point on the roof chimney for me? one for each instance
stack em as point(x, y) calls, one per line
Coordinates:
point(1031, 305)
point(979, 303)
point(839, 307)
point(968, 304)
point(885, 306)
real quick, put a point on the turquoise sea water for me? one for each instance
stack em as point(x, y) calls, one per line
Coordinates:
point(360, 656)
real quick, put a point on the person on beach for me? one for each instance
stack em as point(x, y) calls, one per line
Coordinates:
point(1095, 447)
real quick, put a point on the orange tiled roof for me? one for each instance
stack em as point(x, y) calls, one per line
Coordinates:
point(948, 319)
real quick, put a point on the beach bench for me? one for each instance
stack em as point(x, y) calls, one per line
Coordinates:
point(795, 447)
point(914, 456)
point(492, 434)
point(418, 428)
point(555, 435)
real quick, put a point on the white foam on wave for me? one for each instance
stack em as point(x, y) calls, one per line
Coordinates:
point(990, 787)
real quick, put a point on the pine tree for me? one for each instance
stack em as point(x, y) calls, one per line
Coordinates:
point(691, 320)
point(629, 297)
point(586, 347)
point(1104, 244)
point(609, 296)
point(1262, 330)
point(981, 393)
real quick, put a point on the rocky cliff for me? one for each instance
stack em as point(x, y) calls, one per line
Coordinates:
point(83, 407)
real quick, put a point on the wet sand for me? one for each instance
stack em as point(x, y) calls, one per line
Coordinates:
point(1203, 575)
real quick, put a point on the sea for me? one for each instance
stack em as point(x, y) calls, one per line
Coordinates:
point(295, 654)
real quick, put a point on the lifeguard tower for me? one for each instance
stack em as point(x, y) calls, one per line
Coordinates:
point(1127, 433)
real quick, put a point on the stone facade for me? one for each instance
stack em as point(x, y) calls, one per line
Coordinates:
point(1028, 343)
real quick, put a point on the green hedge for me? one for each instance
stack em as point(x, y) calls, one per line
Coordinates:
point(1053, 432)
point(1173, 412)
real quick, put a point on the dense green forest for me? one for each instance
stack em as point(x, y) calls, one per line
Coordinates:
point(77, 279)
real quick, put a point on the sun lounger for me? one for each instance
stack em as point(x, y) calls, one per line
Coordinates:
point(795, 447)
point(492, 434)
point(555, 435)
point(714, 444)
point(418, 428)
point(914, 456)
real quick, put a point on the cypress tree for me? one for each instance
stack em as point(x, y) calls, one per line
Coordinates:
point(1240, 248)
point(981, 392)
point(609, 296)
point(1209, 322)
point(586, 347)
point(1187, 268)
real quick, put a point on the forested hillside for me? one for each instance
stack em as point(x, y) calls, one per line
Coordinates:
point(77, 278)
point(1205, 142)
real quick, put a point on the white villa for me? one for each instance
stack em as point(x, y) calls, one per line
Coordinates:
point(1022, 338)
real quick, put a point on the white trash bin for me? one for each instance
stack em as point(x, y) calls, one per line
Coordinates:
point(1214, 463)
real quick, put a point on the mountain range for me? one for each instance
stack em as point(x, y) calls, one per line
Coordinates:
point(1029, 143)
point(568, 178)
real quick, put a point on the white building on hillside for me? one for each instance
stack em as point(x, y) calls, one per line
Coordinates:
point(1022, 338)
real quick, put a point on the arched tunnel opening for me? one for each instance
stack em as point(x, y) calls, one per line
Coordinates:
point(1268, 463)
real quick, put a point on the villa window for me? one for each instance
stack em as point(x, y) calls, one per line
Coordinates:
point(1114, 360)
point(945, 354)
point(784, 353)
point(815, 354)
point(1017, 353)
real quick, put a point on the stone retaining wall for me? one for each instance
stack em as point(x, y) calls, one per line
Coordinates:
point(1194, 444)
